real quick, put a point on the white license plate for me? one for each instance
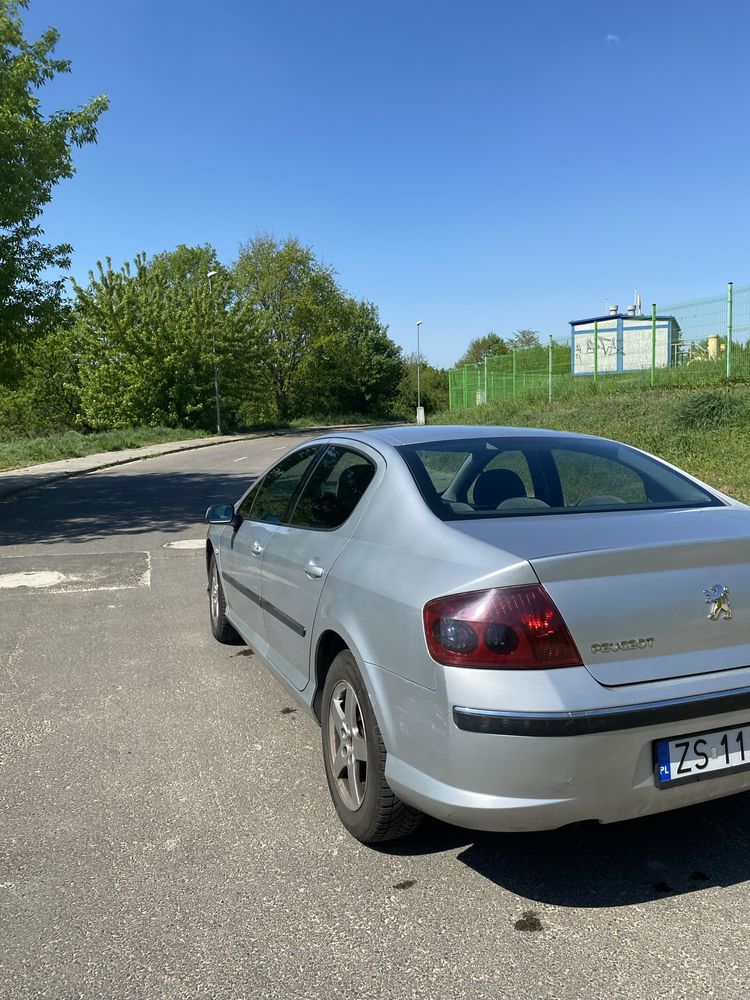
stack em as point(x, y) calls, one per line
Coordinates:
point(701, 755)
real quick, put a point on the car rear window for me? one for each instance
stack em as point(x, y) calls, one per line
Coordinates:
point(511, 477)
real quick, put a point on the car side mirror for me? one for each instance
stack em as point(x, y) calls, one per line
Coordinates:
point(220, 513)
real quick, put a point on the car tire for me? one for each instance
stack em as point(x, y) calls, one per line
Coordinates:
point(354, 756)
point(217, 607)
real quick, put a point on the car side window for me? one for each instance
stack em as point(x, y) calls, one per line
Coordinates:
point(334, 489)
point(592, 480)
point(247, 504)
point(442, 465)
point(270, 499)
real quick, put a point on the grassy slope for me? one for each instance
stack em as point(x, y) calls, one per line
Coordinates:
point(28, 451)
point(646, 419)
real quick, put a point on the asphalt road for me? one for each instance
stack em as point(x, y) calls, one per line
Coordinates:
point(167, 832)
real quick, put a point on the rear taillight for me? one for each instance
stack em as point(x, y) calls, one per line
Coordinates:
point(509, 628)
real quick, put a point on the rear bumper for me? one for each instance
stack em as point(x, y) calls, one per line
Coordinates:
point(505, 814)
point(477, 810)
point(543, 770)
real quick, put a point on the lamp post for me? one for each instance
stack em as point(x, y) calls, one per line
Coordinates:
point(212, 274)
point(420, 411)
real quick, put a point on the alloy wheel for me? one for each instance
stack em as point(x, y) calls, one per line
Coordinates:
point(215, 595)
point(347, 745)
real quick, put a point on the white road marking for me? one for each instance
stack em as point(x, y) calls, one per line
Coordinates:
point(186, 543)
point(30, 579)
point(240, 459)
point(145, 580)
point(76, 573)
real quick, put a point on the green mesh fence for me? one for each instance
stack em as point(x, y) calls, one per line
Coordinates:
point(713, 336)
point(699, 342)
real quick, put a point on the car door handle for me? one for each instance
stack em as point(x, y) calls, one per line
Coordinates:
point(257, 549)
point(313, 570)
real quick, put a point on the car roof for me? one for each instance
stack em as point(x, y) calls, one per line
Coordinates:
point(423, 434)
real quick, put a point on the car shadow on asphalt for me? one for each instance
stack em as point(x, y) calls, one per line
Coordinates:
point(84, 508)
point(590, 865)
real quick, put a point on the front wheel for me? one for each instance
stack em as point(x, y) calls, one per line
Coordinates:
point(354, 756)
point(217, 607)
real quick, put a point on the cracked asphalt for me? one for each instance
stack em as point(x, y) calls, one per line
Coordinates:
point(166, 827)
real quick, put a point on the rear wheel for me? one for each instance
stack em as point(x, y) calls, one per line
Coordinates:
point(217, 607)
point(354, 756)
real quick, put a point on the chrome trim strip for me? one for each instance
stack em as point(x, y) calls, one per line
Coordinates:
point(600, 720)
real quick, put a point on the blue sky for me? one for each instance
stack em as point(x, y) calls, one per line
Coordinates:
point(478, 166)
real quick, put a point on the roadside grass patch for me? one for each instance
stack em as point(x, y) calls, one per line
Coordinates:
point(15, 454)
point(320, 420)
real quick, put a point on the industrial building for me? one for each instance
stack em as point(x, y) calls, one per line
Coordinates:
point(622, 342)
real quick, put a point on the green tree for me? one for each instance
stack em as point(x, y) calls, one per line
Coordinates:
point(355, 368)
point(35, 153)
point(433, 387)
point(52, 382)
point(286, 302)
point(523, 339)
point(489, 345)
point(149, 336)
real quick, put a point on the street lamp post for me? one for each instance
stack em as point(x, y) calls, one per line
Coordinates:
point(420, 411)
point(211, 274)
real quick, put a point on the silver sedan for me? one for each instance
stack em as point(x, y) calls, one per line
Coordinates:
point(507, 629)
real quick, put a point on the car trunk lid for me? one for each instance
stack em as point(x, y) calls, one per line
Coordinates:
point(638, 590)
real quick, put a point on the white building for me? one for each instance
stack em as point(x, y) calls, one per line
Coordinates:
point(623, 343)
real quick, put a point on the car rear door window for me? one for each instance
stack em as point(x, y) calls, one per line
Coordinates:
point(270, 500)
point(334, 489)
point(593, 480)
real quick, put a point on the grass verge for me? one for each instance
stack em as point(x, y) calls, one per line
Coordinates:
point(20, 452)
point(654, 421)
point(30, 451)
point(321, 420)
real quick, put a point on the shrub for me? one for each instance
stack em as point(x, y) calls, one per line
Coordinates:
point(713, 409)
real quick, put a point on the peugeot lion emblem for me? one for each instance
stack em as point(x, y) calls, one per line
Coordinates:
point(718, 597)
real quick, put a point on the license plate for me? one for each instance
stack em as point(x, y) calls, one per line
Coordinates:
point(701, 755)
